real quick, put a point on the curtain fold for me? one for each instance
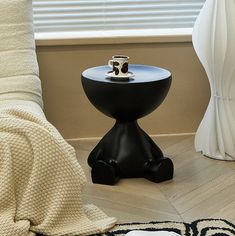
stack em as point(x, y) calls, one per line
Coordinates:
point(214, 43)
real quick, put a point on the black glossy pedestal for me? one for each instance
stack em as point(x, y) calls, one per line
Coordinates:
point(126, 151)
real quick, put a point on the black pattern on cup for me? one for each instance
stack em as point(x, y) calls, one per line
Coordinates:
point(125, 68)
point(115, 67)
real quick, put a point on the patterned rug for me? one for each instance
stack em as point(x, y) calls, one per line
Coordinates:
point(205, 227)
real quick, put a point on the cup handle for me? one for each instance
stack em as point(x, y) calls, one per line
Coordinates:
point(110, 63)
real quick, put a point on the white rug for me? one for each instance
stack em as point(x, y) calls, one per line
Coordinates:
point(203, 227)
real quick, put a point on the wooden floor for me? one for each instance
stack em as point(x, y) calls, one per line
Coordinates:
point(201, 188)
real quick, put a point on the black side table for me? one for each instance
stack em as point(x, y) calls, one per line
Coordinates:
point(126, 151)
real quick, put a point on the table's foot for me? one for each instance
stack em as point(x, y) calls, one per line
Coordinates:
point(160, 170)
point(104, 173)
point(126, 151)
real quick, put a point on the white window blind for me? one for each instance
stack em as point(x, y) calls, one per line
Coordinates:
point(110, 15)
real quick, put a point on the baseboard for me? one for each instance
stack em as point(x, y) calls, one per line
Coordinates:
point(71, 140)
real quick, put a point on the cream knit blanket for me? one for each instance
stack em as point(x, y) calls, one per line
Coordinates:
point(40, 178)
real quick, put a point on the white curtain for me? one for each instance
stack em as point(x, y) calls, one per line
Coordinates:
point(214, 43)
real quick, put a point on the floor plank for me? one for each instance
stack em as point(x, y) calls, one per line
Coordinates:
point(201, 188)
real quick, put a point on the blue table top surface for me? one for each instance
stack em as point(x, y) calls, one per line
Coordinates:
point(142, 74)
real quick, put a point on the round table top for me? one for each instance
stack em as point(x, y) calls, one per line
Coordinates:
point(142, 74)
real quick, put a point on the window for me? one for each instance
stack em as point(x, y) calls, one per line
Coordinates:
point(114, 17)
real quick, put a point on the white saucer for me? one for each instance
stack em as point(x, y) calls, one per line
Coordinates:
point(112, 74)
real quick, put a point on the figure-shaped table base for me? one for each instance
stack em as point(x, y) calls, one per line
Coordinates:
point(126, 151)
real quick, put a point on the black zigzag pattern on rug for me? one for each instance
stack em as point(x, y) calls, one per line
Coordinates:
point(202, 227)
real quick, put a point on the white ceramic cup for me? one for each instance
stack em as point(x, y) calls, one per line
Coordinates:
point(119, 64)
